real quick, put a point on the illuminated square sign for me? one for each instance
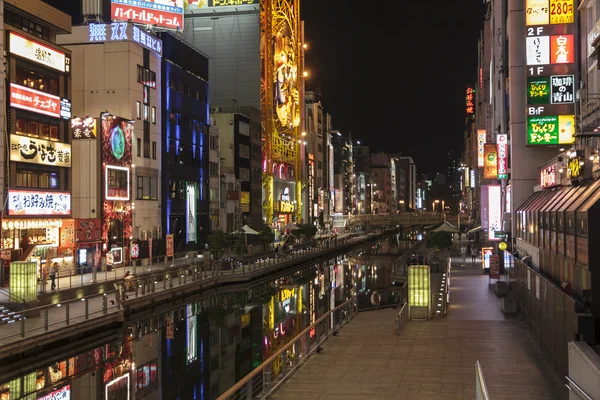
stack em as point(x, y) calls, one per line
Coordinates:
point(537, 12)
point(39, 53)
point(502, 147)
point(562, 12)
point(550, 130)
point(162, 13)
point(122, 31)
point(38, 151)
point(538, 50)
point(117, 183)
point(37, 202)
point(548, 177)
point(494, 211)
point(562, 49)
point(562, 89)
point(538, 90)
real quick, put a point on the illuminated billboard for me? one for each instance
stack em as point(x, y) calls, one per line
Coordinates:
point(38, 203)
point(39, 53)
point(160, 13)
point(192, 6)
point(494, 211)
point(470, 102)
point(490, 169)
point(550, 45)
point(481, 139)
point(120, 31)
point(548, 176)
point(35, 101)
point(502, 148)
point(39, 151)
point(83, 128)
point(190, 206)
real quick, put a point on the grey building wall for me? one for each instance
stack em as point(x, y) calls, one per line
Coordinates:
point(232, 44)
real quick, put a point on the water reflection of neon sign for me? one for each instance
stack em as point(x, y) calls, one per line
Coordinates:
point(118, 384)
point(191, 335)
point(285, 297)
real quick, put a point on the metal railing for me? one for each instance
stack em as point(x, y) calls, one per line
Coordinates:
point(481, 392)
point(577, 391)
point(402, 317)
point(41, 320)
point(266, 378)
point(397, 219)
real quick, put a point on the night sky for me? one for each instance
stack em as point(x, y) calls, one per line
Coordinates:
point(393, 74)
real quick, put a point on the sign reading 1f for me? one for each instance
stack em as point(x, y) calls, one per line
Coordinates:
point(538, 51)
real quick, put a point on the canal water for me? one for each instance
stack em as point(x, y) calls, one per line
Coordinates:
point(200, 347)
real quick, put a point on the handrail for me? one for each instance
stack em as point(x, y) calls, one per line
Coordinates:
point(261, 368)
point(583, 396)
point(12, 295)
point(481, 388)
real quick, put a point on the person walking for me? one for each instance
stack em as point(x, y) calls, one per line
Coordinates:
point(52, 275)
point(463, 253)
point(473, 254)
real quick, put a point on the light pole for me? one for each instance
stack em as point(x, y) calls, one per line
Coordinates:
point(434, 205)
point(401, 202)
point(444, 209)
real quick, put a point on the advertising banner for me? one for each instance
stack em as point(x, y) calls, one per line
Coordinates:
point(39, 53)
point(481, 139)
point(161, 13)
point(548, 176)
point(495, 266)
point(190, 206)
point(484, 204)
point(490, 169)
point(63, 393)
point(494, 211)
point(38, 151)
point(38, 203)
point(502, 147)
point(562, 11)
point(88, 230)
point(83, 128)
point(170, 249)
point(35, 101)
point(550, 130)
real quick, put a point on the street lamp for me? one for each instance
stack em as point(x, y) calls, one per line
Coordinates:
point(401, 202)
point(434, 203)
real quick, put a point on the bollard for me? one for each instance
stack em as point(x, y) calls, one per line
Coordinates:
point(67, 306)
point(87, 308)
point(46, 320)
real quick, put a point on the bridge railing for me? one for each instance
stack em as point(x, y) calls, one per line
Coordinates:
point(397, 219)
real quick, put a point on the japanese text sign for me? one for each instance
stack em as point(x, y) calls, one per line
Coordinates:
point(562, 11)
point(162, 13)
point(37, 52)
point(481, 139)
point(552, 130)
point(538, 90)
point(35, 202)
point(562, 89)
point(122, 31)
point(536, 12)
point(494, 211)
point(63, 393)
point(83, 128)
point(548, 177)
point(88, 229)
point(502, 147)
point(169, 243)
point(33, 100)
point(470, 101)
point(39, 151)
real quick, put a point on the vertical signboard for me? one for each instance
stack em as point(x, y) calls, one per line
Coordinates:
point(490, 169)
point(190, 206)
point(470, 102)
point(169, 242)
point(550, 46)
point(484, 208)
point(481, 139)
point(502, 148)
point(494, 211)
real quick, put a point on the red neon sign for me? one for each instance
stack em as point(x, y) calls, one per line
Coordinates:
point(33, 100)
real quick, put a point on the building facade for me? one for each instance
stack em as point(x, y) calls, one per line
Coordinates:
point(185, 127)
point(315, 156)
point(382, 195)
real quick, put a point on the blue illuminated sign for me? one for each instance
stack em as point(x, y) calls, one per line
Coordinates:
point(123, 31)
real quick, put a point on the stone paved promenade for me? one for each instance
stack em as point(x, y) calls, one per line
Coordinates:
point(430, 360)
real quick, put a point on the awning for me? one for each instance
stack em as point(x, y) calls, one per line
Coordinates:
point(446, 227)
point(474, 229)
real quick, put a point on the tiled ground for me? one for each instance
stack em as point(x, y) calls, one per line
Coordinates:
point(430, 360)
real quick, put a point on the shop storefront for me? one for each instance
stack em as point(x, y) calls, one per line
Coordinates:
point(284, 205)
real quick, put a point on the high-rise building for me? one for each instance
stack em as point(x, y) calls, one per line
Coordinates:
point(381, 170)
point(406, 183)
point(118, 173)
point(363, 179)
point(343, 171)
point(185, 139)
point(316, 165)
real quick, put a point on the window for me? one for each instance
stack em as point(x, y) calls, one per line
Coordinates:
point(244, 151)
point(244, 128)
point(138, 110)
point(172, 83)
point(146, 77)
point(37, 179)
point(320, 165)
point(146, 113)
point(213, 142)
point(213, 168)
point(154, 115)
point(147, 188)
point(38, 126)
point(139, 146)
point(154, 150)
point(244, 174)
point(36, 77)
point(320, 147)
point(26, 25)
point(146, 139)
point(117, 183)
point(146, 375)
point(213, 194)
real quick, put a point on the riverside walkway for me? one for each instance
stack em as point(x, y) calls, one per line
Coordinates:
point(430, 360)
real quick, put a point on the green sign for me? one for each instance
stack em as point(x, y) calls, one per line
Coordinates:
point(117, 142)
point(538, 90)
point(542, 130)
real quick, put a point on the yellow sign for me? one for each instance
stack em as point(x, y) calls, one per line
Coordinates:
point(245, 198)
point(38, 52)
point(502, 246)
point(574, 168)
point(562, 12)
point(419, 287)
point(566, 129)
point(286, 294)
point(284, 206)
point(245, 319)
point(39, 151)
point(537, 12)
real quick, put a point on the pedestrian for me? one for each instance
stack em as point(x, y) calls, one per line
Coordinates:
point(52, 275)
point(463, 253)
point(473, 254)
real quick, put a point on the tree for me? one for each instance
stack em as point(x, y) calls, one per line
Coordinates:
point(439, 240)
point(266, 236)
point(237, 242)
point(217, 242)
point(307, 231)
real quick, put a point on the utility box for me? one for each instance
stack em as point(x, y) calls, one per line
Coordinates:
point(419, 292)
